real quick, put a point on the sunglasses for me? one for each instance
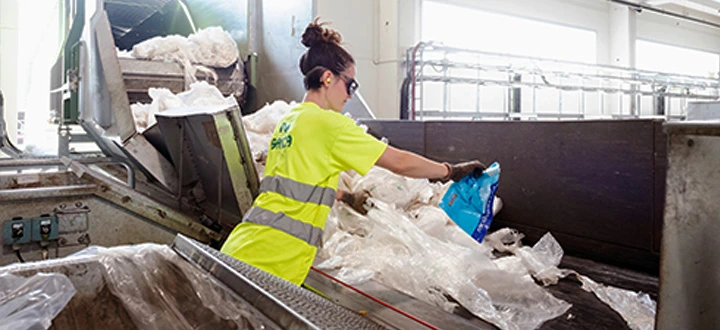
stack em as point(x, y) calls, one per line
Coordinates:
point(351, 84)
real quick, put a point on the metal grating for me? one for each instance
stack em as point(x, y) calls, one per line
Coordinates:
point(282, 301)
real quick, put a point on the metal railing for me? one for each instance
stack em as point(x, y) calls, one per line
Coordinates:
point(452, 83)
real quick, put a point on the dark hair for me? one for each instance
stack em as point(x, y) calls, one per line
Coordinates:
point(324, 53)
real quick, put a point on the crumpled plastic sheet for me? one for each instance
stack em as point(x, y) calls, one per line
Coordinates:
point(159, 290)
point(200, 94)
point(542, 260)
point(418, 255)
point(407, 243)
point(504, 240)
point(32, 302)
point(636, 308)
point(209, 47)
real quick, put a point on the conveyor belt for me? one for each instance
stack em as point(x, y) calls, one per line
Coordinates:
point(286, 304)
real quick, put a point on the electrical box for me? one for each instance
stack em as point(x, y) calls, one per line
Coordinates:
point(45, 228)
point(17, 231)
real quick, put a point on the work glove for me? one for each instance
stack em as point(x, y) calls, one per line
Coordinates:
point(458, 171)
point(356, 200)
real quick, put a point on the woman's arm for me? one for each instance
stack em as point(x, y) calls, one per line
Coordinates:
point(409, 164)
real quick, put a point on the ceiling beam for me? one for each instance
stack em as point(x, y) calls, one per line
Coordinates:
point(641, 7)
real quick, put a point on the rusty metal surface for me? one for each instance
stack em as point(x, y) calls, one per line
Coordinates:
point(660, 166)
point(140, 75)
point(33, 180)
point(143, 185)
point(106, 225)
point(238, 158)
point(145, 206)
point(707, 128)
point(689, 285)
point(39, 162)
point(151, 161)
point(117, 214)
point(208, 145)
point(20, 194)
point(46, 179)
point(595, 184)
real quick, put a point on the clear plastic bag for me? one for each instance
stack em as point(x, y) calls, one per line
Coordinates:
point(399, 254)
point(160, 290)
point(542, 260)
point(504, 240)
point(209, 47)
point(32, 302)
point(394, 189)
point(636, 308)
point(413, 247)
point(200, 94)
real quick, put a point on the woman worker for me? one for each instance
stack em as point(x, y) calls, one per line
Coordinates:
point(310, 146)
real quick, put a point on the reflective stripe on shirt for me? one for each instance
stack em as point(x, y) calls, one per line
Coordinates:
point(301, 230)
point(298, 191)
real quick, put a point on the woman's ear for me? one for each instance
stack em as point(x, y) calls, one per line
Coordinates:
point(326, 78)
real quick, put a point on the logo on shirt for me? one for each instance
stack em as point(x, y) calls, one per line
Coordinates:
point(283, 140)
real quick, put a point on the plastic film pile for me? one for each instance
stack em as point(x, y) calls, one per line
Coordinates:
point(408, 243)
point(146, 286)
point(209, 48)
point(200, 94)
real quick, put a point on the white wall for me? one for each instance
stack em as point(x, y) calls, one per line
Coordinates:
point(354, 20)
point(378, 32)
point(678, 32)
point(9, 62)
point(370, 32)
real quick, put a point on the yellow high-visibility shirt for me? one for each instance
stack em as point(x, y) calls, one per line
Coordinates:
point(308, 150)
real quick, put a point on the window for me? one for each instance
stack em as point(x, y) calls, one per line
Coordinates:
point(468, 28)
point(474, 29)
point(655, 56)
point(38, 41)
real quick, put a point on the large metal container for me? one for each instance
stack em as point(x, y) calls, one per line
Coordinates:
point(689, 282)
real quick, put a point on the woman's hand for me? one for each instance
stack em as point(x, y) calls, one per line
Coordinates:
point(458, 171)
point(356, 200)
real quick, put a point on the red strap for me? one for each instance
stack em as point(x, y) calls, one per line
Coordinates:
point(376, 300)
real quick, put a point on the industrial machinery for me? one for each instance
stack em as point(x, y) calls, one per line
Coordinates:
point(188, 179)
point(190, 173)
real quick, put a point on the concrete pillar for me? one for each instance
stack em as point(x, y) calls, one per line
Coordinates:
point(9, 62)
point(623, 33)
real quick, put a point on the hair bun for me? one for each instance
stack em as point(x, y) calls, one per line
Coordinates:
point(315, 34)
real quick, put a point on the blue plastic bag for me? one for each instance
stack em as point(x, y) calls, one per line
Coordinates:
point(469, 202)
